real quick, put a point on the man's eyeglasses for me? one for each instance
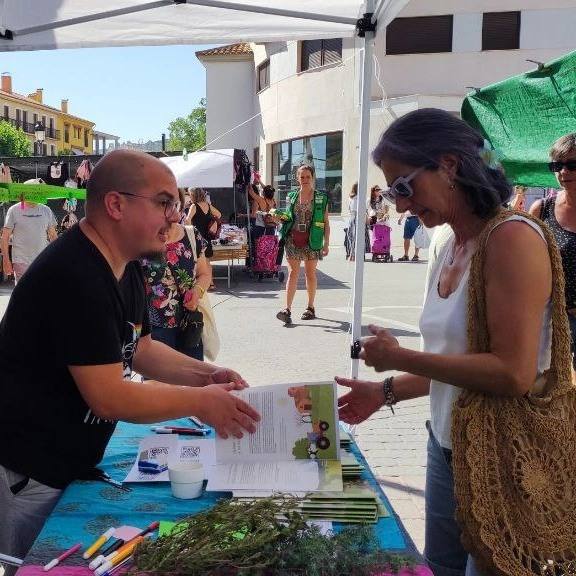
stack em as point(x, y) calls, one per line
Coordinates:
point(171, 207)
point(557, 166)
point(401, 187)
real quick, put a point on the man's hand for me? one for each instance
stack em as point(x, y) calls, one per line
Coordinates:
point(228, 414)
point(227, 376)
point(379, 351)
point(361, 402)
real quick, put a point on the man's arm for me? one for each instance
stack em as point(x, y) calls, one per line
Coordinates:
point(6, 263)
point(158, 361)
point(113, 398)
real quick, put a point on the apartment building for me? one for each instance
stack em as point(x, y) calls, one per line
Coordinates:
point(293, 102)
point(63, 130)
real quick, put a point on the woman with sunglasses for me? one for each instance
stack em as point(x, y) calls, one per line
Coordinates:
point(559, 212)
point(174, 283)
point(439, 169)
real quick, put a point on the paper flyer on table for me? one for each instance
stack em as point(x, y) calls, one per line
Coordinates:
point(164, 448)
point(299, 422)
point(286, 477)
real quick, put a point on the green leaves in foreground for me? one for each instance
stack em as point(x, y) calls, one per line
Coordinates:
point(265, 537)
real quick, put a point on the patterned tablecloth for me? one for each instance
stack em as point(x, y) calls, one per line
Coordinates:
point(88, 508)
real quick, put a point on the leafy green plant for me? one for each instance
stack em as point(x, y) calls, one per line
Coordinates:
point(13, 141)
point(266, 537)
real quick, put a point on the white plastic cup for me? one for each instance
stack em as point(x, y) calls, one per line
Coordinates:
point(186, 479)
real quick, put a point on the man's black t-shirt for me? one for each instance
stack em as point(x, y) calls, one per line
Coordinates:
point(67, 310)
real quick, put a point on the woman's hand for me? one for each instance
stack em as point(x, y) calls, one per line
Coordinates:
point(225, 376)
point(361, 402)
point(191, 299)
point(379, 351)
point(325, 250)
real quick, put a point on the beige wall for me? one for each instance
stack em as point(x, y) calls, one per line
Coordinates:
point(326, 100)
point(230, 90)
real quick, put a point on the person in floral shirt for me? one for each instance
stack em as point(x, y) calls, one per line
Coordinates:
point(176, 283)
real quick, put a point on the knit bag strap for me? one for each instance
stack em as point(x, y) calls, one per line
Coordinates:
point(478, 336)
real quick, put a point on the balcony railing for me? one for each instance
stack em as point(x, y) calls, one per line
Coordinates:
point(29, 128)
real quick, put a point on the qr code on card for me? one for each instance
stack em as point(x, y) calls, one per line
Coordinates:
point(189, 452)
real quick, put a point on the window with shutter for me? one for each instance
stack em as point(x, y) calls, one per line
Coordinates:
point(263, 74)
point(501, 31)
point(331, 51)
point(311, 54)
point(419, 35)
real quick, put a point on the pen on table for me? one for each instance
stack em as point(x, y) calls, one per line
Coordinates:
point(119, 544)
point(99, 543)
point(180, 430)
point(196, 421)
point(62, 557)
point(12, 560)
point(114, 569)
point(105, 477)
point(121, 555)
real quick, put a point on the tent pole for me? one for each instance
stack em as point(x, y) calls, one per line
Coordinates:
point(359, 249)
point(10, 34)
point(274, 11)
point(88, 18)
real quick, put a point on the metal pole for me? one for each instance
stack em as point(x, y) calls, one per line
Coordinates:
point(274, 11)
point(366, 89)
point(10, 34)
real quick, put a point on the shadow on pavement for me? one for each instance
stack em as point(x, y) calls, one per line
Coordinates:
point(400, 487)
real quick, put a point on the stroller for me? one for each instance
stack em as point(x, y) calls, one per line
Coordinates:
point(265, 261)
point(380, 243)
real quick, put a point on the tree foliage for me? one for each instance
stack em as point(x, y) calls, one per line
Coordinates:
point(189, 131)
point(13, 141)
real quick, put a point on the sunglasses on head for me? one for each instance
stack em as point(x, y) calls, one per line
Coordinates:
point(557, 166)
point(401, 187)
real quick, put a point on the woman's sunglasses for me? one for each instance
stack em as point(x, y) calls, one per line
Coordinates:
point(401, 187)
point(570, 165)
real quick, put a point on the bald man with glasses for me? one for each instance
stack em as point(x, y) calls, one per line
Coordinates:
point(65, 385)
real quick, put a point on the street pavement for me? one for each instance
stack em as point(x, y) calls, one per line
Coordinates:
point(264, 351)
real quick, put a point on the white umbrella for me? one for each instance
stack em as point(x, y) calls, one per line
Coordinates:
point(205, 169)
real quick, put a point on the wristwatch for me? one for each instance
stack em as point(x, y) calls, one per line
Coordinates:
point(388, 390)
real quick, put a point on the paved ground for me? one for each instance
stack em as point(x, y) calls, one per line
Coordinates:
point(264, 351)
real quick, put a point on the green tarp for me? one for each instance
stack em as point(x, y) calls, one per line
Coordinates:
point(38, 193)
point(523, 116)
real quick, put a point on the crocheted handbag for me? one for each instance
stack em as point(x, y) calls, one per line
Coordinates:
point(514, 459)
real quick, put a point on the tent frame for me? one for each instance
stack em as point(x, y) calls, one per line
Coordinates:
point(365, 28)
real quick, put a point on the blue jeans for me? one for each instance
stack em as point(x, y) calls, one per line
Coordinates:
point(443, 551)
point(169, 336)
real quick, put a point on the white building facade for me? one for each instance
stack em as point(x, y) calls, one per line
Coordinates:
point(298, 102)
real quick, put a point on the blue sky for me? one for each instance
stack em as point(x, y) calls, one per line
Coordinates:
point(132, 92)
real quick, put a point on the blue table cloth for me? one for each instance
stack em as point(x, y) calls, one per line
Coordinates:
point(88, 508)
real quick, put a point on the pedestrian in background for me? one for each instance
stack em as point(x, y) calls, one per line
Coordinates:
point(559, 212)
point(306, 231)
point(29, 227)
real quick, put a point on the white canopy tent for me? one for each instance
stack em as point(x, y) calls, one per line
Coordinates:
point(51, 24)
point(203, 169)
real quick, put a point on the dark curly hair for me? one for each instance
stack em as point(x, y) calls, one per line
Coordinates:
point(422, 137)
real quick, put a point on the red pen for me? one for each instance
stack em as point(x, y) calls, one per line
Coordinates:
point(62, 557)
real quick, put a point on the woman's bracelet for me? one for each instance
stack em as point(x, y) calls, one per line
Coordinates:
point(201, 289)
point(388, 390)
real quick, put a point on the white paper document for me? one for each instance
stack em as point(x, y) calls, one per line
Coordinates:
point(164, 448)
